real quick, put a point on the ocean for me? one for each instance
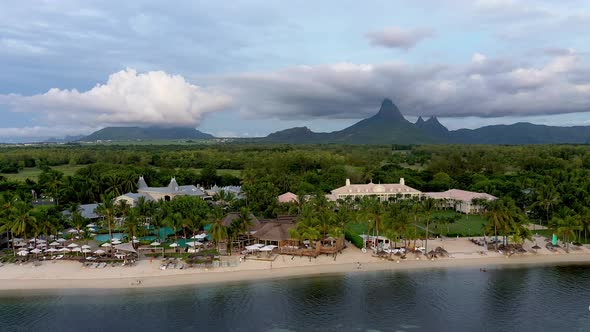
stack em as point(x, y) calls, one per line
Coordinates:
point(555, 298)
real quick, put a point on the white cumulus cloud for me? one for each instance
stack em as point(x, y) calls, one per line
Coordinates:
point(127, 98)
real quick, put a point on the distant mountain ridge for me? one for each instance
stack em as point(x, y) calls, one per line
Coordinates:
point(389, 126)
point(145, 133)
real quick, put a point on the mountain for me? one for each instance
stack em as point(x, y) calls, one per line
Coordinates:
point(432, 126)
point(296, 134)
point(389, 126)
point(145, 133)
point(522, 133)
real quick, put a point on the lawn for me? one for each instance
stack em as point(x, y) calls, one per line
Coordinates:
point(467, 225)
point(33, 172)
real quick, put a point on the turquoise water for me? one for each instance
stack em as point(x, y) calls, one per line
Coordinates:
point(501, 299)
point(164, 233)
point(105, 237)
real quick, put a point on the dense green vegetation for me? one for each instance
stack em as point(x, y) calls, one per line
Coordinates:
point(547, 184)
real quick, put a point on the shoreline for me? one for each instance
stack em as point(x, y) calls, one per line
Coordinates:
point(256, 273)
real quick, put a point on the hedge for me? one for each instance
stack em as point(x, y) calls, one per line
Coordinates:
point(354, 239)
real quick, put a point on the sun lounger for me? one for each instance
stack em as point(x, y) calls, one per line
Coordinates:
point(103, 265)
point(94, 265)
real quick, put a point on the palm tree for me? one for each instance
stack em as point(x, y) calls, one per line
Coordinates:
point(547, 198)
point(373, 210)
point(496, 215)
point(566, 226)
point(174, 221)
point(429, 205)
point(131, 223)
point(107, 211)
point(244, 221)
point(21, 221)
point(77, 220)
point(218, 233)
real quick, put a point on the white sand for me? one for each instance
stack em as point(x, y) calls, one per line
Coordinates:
point(69, 274)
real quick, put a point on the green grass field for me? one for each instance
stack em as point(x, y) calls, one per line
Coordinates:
point(467, 225)
point(33, 172)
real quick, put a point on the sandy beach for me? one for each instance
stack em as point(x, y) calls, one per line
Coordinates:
point(72, 275)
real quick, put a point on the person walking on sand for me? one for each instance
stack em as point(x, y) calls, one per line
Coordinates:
point(358, 265)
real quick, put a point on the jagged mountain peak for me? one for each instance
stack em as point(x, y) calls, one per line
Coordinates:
point(389, 111)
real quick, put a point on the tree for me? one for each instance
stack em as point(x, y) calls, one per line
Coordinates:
point(547, 198)
point(374, 211)
point(429, 205)
point(107, 211)
point(566, 225)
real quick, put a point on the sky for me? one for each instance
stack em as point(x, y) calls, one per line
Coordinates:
point(249, 68)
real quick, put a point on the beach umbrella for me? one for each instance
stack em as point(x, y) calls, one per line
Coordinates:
point(116, 242)
point(61, 240)
point(36, 251)
point(92, 229)
point(72, 231)
point(22, 253)
point(64, 249)
point(86, 246)
point(174, 245)
point(100, 252)
point(16, 239)
point(86, 251)
point(54, 243)
point(51, 250)
point(20, 244)
point(41, 241)
point(194, 243)
point(91, 225)
point(72, 245)
point(153, 244)
point(106, 244)
point(76, 249)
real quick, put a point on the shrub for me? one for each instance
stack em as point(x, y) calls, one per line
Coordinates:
point(354, 239)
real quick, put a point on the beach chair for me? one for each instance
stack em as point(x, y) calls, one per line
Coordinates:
point(59, 257)
point(94, 265)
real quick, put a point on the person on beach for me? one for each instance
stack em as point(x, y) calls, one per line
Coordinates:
point(358, 265)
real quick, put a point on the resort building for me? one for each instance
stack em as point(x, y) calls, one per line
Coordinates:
point(288, 197)
point(275, 231)
point(384, 192)
point(236, 191)
point(160, 193)
point(461, 200)
point(87, 211)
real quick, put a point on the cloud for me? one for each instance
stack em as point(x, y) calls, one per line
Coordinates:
point(396, 37)
point(353, 91)
point(127, 98)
